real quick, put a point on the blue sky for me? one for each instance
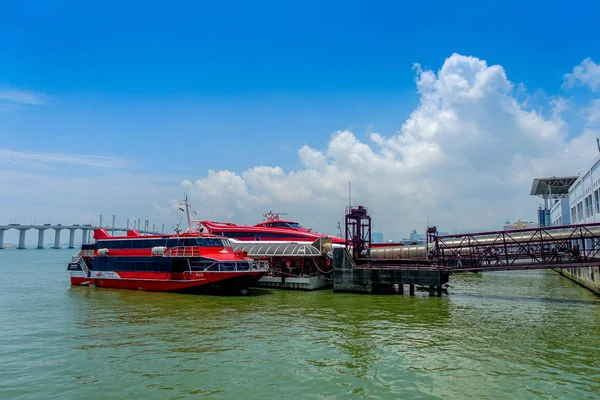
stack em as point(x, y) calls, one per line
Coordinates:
point(176, 89)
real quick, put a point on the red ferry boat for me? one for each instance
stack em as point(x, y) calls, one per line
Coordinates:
point(272, 229)
point(188, 262)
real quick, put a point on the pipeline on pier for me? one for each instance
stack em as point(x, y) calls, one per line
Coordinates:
point(536, 248)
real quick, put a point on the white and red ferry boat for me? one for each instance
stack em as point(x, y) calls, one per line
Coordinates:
point(272, 229)
point(187, 262)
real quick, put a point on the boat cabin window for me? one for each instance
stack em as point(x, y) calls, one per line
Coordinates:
point(179, 265)
point(294, 225)
point(264, 235)
point(227, 266)
point(127, 244)
point(131, 243)
point(201, 242)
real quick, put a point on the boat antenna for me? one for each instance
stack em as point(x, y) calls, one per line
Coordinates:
point(349, 194)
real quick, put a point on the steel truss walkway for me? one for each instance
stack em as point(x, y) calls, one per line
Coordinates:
point(568, 246)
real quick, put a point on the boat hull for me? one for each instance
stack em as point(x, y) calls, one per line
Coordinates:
point(195, 282)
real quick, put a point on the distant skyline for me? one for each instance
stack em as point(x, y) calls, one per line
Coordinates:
point(442, 113)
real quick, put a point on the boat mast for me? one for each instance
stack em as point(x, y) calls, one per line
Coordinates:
point(187, 212)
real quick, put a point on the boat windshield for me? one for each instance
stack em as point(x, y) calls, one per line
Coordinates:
point(213, 242)
point(200, 242)
point(285, 224)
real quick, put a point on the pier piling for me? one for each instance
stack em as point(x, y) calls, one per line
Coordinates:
point(71, 238)
point(41, 238)
point(57, 238)
point(22, 232)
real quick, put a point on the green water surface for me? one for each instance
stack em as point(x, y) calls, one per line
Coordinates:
point(503, 335)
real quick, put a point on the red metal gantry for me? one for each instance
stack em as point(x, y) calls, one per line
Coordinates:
point(358, 229)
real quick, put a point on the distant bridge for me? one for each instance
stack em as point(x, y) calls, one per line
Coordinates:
point(85, 232)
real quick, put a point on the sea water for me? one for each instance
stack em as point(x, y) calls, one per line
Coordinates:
point(506, 335)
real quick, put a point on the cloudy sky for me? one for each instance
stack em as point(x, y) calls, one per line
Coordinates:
point(443, 114)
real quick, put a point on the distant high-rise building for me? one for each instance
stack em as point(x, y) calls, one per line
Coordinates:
point(519, 225)
point(377, 237)
point(415, 237)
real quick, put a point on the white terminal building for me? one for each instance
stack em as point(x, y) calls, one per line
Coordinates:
point(584, 196)
point(571, 199)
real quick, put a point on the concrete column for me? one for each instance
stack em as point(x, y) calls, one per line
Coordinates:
point(41, 238)
point(84, 236)
point(2, 238)
point(57, 238)
point(71, 238)
point(22, 237)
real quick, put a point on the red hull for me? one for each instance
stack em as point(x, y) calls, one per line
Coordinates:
point(187, 282)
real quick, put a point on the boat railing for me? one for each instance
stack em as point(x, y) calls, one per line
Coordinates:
point(81, 262)
point(182, 251)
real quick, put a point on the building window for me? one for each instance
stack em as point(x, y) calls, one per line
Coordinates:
point(597, 201)
point(573, 216)
point(580, 211)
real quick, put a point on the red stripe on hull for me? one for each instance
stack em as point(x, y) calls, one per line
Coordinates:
point(76, 280)
point(229, 282)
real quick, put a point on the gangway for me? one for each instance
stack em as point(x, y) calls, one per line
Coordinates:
point(568, 246)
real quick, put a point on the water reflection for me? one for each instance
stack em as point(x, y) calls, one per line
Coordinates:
point(491, 328)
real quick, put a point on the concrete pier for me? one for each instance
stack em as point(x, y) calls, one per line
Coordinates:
point(347, 277)
point(22, 232)
point(2, 238)
point(41, 237)
point(57, 238)
point(71, 238)
point(586, 276)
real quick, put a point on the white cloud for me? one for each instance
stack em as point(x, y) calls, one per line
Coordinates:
point(465, 158)
point(22, 97)
point(586, 73)
point(592, 113)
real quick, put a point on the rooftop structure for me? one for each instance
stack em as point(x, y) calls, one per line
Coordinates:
point(552, 188)
point(548, 189)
